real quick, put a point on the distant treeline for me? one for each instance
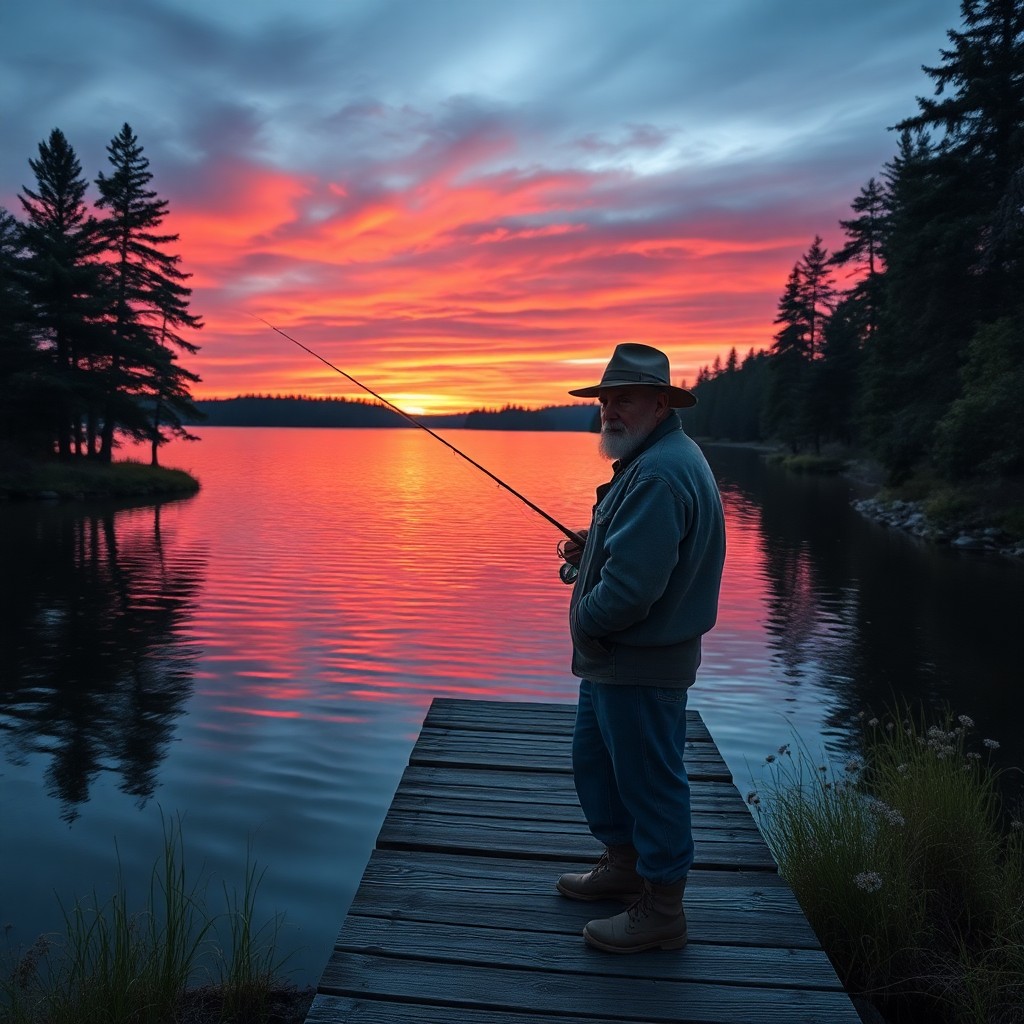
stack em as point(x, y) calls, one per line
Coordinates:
point(293, 411)
point(921, 360)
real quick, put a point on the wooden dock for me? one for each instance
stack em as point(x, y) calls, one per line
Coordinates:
point(457, 921)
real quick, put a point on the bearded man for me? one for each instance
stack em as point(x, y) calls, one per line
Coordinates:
point(647, 591)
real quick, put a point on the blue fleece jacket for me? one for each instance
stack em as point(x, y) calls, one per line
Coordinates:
point(652, 567)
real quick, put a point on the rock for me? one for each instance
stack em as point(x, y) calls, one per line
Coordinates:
point(910, 517)
point(968, 543)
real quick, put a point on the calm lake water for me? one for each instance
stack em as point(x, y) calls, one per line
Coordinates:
point(258, 659)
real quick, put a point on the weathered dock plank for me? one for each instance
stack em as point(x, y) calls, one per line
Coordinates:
point(456, 919)
point(722, 906)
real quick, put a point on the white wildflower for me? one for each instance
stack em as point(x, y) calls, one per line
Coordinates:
point(1017, 826)
point(991, 744)
point(903, 768)
point(873, 723)
point(868, 881)
point(966, 721)
point(891, 815)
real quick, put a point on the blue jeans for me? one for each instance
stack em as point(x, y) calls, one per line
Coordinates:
point(627, 762)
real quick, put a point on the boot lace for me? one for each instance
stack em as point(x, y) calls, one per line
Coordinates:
point(604, 863)
point(643, 907)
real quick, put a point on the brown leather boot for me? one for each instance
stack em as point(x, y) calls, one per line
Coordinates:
point(613, 877)
point(655, 921)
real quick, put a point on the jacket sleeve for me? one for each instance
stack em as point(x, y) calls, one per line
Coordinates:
point(641, 548)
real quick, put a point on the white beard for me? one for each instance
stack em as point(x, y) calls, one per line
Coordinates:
point(620, 442)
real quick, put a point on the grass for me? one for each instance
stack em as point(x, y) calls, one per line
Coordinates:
point(81, 478)
point(112, 965)
point(907, 868)
point(251, 965)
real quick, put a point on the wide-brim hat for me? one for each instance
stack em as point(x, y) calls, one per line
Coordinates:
point(639, 364)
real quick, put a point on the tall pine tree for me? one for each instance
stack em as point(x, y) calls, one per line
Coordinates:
point(817, 294)
point(789, 362)
point(63, 283)
point(148, 391)
point(865, 239)
point(978, 115)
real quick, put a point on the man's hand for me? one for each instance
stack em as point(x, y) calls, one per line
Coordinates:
point(571, 551)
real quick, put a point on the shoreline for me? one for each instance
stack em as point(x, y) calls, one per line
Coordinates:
point(81, 480)
point(970, 518)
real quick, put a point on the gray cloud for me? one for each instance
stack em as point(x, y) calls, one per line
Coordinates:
point(754, 112)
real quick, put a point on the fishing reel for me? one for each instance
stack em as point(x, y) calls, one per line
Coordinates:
point(567, 572)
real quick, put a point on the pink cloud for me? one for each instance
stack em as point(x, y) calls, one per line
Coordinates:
point(467, 285)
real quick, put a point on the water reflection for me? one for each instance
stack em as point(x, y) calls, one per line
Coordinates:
point(90, 622)
point(259, 657)
point(871, 619)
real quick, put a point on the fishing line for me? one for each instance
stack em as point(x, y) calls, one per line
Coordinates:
point(570, 534)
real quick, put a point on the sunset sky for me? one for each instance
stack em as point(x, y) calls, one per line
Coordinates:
point(467, 203)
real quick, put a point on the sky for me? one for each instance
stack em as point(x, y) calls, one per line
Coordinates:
point(468, 203)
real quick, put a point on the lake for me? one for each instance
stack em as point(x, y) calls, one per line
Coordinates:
point(257, 659)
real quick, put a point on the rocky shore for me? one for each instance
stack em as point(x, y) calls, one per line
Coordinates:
point(909, 516)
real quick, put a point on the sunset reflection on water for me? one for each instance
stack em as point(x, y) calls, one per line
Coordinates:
point(259, 657)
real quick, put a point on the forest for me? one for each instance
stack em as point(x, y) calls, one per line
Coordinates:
point(919, 360)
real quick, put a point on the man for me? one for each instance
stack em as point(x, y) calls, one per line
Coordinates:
point(647, 590)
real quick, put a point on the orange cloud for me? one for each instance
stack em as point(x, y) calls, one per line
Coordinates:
point(457, 290)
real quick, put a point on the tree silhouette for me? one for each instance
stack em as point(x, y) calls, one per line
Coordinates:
point(63, 284)
point(865, 235)
point(149, 305)
point(23, 426)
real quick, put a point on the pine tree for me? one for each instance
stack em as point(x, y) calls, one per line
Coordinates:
point(790, 357)
point(816, 294)
point(150, 304)
point(865, 235)
point(63, 283)
point(978, 109)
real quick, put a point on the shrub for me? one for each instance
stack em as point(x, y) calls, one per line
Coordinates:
point(905, 870)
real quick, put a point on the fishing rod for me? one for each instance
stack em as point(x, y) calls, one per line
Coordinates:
point(570, 534)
